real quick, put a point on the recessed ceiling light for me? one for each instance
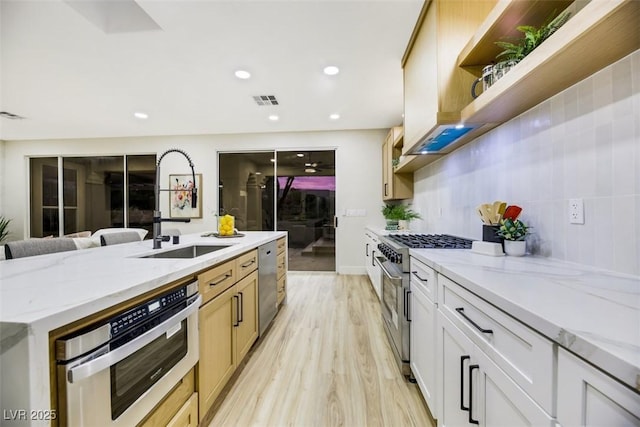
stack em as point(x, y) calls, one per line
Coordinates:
point(272, 160)
point(242, 74)
point(300, 155)
point(331, 70)
point(334, 116)
point(274, 118)
point(310, 170)
point(140, 115)
point(258, 173)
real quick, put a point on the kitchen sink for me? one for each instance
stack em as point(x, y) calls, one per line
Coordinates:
point(186, 252)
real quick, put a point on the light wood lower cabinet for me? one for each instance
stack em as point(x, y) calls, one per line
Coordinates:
point(228, 329)
point(217, 362)
point(247, 324)
point(281, 287)
point(281, 270)
point(173, 404)
point(187, 416)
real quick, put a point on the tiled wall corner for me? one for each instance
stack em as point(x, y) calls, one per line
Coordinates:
point(582, 143)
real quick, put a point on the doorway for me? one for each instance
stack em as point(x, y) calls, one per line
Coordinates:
point(291, 191)
point(306, 206)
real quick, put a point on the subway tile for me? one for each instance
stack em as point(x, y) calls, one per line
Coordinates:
point(623, 153)
point(621, 74)
point(585, 97)
point(635, 71)
point(604, 160)
point(602, 216)
point(603, 88)
point(625, 234)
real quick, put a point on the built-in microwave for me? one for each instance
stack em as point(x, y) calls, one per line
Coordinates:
point(116, 372)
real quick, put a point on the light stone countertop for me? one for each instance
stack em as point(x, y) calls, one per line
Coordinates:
point(39, 294)
point(591, 312)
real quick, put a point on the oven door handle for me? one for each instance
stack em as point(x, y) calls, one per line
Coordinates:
point(394, 279)
point(102, 358)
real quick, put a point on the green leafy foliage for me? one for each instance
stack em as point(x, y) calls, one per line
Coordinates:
point(512, 230)
point(4, 225)
point(397, 212)
point(533, 37)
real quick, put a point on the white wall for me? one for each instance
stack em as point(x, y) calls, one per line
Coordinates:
point(3, 178)
point(358, 174)
point(582, 143)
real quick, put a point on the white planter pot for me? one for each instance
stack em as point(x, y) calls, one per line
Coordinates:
point(515, 247)
point(403, 225)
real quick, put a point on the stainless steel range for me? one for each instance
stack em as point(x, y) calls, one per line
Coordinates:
point(394, 262)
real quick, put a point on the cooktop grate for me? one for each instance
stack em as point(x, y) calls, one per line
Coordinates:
point(437, 241)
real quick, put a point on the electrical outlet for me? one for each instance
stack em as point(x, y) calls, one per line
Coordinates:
point(576, 211)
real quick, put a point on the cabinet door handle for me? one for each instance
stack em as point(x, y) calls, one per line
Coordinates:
point(462, 359)
point(407, 312)
point(237, 322)
point(373, 257)
point(366, 249)
point(247, 264)
point(241, 303)
point(415, 273)
point(475, 325)
point(471, 368)
point(385, 189)
point(223, 278)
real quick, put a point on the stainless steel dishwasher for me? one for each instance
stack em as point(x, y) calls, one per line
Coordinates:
point(267, 284)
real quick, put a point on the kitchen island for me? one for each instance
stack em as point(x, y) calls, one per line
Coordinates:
point(43, 293)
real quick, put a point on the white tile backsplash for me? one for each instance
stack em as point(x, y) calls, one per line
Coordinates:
point(582, 143)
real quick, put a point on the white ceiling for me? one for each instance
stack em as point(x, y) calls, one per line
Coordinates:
point(70, 78)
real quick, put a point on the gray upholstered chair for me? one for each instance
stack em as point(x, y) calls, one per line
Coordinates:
point(120, 237)
point(32, 247)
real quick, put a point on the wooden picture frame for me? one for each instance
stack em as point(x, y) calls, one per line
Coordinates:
point(180, 196)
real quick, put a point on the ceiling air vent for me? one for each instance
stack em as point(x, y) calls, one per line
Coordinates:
point(10, 116)
point(265, 100)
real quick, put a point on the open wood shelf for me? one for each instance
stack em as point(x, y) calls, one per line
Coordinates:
point(600, 34)
point(501, 25)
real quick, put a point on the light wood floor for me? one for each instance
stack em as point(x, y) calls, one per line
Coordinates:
point(324, 362)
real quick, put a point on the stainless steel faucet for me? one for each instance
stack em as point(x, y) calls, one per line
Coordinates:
point(157, 216)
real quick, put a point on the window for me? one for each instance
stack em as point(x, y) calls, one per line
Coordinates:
point(96, 193)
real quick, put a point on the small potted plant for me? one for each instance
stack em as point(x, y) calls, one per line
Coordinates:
point(513, 232)
point(532, 38)
point(398, 216)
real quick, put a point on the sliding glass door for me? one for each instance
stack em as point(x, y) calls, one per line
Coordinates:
point(291, 191)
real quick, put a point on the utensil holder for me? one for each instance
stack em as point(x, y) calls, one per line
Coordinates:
point(489, 234)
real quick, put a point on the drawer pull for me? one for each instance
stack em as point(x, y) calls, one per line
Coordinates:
point(475, 325)
point(415, 273)
point(224, 277)
point(471, 368)
point(247, 264)
point(462, 359)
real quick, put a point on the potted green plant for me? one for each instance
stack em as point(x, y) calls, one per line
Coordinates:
point(4, 228)
point(513, 232)
point(533, 37)
point(394, 214)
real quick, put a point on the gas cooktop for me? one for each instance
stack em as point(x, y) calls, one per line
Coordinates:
point(438, 241)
